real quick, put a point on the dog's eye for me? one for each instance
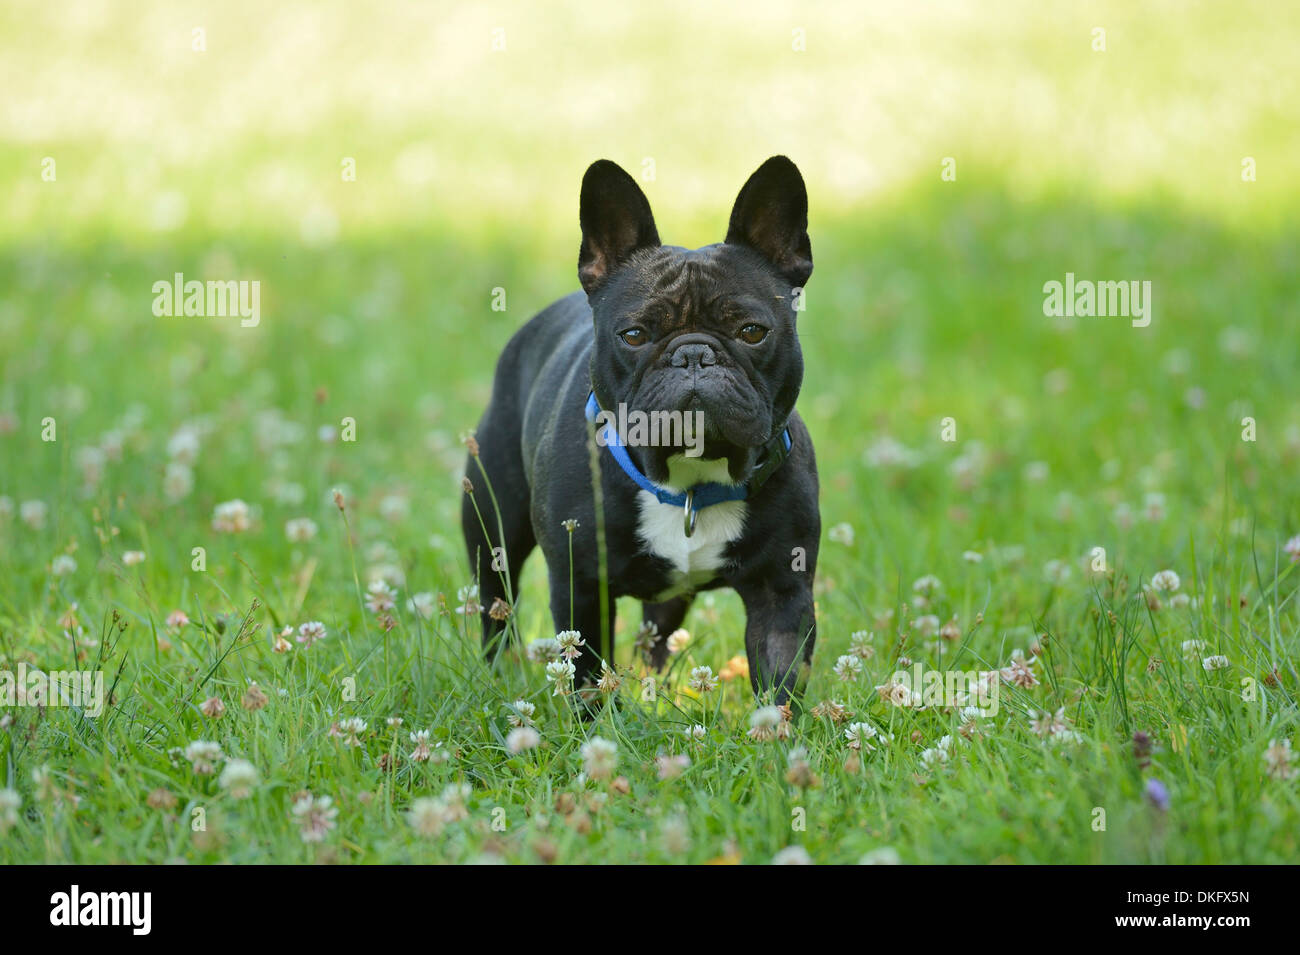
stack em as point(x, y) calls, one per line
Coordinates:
point(634, 336)
point(752, 334)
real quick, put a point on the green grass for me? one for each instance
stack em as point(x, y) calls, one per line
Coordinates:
point(925, 304)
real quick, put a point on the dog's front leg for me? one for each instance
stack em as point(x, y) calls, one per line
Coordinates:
point(780, 631)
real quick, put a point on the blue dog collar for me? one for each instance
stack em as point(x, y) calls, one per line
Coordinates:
point(699, 496)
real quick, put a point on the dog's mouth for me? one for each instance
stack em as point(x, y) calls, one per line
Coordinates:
point(701, 429)
point(718, 406)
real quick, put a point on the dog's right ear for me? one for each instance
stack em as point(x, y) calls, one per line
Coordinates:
point(616, 221)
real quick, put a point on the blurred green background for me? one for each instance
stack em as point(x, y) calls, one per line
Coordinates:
point(926, 302)
point(226, 163)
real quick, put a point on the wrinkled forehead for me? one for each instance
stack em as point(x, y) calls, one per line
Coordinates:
point(694, 284)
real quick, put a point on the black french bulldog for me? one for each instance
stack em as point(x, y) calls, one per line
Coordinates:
point(674, 337)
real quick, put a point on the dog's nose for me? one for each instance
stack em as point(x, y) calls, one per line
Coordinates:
point(695, 354)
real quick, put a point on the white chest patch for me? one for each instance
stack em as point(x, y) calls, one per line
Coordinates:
point(696, 559)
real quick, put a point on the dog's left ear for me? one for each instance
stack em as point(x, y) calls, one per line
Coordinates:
point(616, 221)
point(771, 217)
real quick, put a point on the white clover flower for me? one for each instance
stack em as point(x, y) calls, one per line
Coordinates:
point(350, 731)
point(300, 529)
point(1068, 736)
point(32, 513)
point(675, 835)
point(899, 694)
point(422, 752)
point(971, 557)
point(454, 798)
point(310, 632)
point(599, 758)
point(1018, 672)
point(848, 667)
point(677, 640)
point(860, 644)
point(1192, 649)
point(696, 732)
point(286, 493)
point(315, 817)
point(841, 533)
point(423, 605)
point(1046, 724)
point(1215, 662)
point(380, 598)
point(426, 816)
point(1292, 549)
point(521, 713)
point(560, 673)
point(231, 517)
point(702, 680)
point(10, 803)
point(933, 756)
point(238, 778)
point(861, 736)
point(394, 508)
point(670, 767)
point(133, 557)
point(792, 855)
point(63, 565)
point(927, 586)
point(203, 756)
point(763, 723)
point(521, 738)
point(280, 641)
point(926, 625)
point(543, 649)
point(178, 481)
point(468, 597)
point(1277, 759)
point(887, 452)
point(570, 643)
point(183, 446)
point(1165, 580)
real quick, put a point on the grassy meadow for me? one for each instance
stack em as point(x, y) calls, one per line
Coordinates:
point(1001, 490)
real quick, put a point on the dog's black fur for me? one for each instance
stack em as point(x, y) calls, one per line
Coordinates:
point(690, 304)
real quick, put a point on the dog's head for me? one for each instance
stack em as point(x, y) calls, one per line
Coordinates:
point(708, 330)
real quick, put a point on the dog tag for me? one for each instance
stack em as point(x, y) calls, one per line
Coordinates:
point(690, 513)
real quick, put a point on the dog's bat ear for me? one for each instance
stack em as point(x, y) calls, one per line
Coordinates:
point(616, 221)
point(771, 217)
